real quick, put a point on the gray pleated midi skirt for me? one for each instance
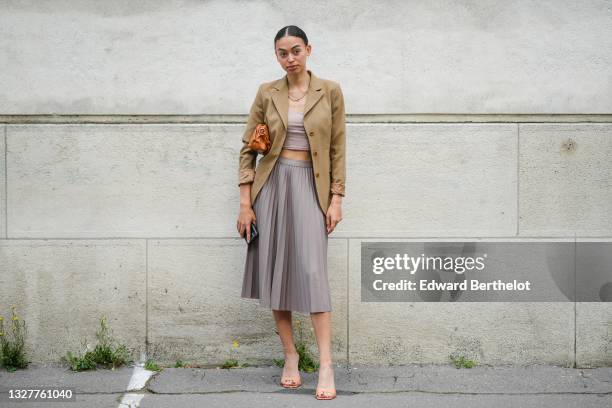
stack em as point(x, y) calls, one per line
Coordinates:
point(286, 265)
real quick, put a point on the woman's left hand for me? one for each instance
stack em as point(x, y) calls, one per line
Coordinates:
point(334, 213)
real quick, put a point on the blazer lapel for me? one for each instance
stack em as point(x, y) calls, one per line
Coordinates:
point(280, 96)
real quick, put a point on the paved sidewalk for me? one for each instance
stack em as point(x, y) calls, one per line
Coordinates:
point(361, 386)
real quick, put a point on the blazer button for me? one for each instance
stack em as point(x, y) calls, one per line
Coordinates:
point(317, 175)
point(314, 153)
point(311, 133)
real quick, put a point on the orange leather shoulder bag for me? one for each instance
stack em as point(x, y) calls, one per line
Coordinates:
point(260, 139)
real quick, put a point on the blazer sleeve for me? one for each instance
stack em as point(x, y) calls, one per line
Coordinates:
point(248, 157)
point(337, 153)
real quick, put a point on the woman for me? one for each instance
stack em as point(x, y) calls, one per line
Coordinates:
point(294, 197)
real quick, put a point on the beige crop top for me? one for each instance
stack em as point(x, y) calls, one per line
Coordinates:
point(296, 138)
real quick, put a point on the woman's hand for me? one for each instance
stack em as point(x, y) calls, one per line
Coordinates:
point(245, 218)
point(334, 213)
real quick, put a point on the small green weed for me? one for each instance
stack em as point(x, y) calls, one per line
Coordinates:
point(152, 365)
point(182, 364)
point(229, 363)
point(12, 351)
point(232, 362)
point(462, 362)
point(107, 353)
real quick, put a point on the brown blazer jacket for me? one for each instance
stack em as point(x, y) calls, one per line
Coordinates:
point(324, 121)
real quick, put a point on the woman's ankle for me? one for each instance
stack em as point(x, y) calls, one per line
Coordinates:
point(292, 355)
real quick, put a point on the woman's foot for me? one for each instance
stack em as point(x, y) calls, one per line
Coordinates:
point(291, 375)
point(326, 389)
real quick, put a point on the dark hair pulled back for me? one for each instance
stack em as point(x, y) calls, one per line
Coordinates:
point(293, 31)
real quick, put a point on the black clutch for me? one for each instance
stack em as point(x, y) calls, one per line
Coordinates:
point(254, 233)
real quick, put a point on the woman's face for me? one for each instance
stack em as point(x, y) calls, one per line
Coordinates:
point(292, 53)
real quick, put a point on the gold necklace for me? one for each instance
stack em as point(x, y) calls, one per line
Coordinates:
point(295, 100)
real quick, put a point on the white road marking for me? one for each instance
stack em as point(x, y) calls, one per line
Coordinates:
point(130, 400)
point(139, 378)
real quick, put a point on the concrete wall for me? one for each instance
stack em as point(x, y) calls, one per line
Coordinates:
point(494, 120)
